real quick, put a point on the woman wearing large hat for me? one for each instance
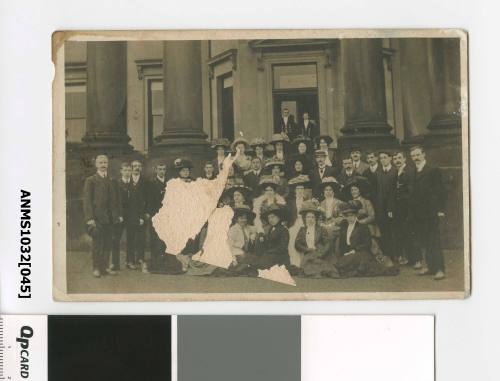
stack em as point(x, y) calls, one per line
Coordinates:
point(356, 189)
point(313, 242)
point(238, 194)
point(258, 146)
point(269, 196)
point(353, 248)
point(330, 189)
point(275, 168)
point(323, 143)
point(221, 146)
point(241, 237)
point(281, 144)
point(183, 168)
point(271, 247)
point(242, 162)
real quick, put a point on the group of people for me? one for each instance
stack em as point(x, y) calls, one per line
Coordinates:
point(294, 204)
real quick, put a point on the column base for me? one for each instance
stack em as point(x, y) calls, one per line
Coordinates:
point(106, 142)
point(182, 144)
point(366, 133)
point(182, 137)
point(367, 141)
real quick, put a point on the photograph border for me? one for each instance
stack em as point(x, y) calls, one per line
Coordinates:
point(59, 159)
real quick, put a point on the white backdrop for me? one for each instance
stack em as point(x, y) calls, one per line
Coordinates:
point(467, 332)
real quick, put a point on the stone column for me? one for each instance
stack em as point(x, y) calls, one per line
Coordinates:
point(182, 134)
point(107, 97)
point(444, 73)
point(182, 93)
point(365, 102)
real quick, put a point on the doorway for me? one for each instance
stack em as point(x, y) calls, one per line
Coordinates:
point(226, 107)
point(297, 102)
point(295, 87)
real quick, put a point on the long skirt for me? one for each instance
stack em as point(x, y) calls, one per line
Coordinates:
point(362, 264)
point(316, 265)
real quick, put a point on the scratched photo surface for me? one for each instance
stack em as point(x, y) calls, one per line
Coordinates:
point(261, 165)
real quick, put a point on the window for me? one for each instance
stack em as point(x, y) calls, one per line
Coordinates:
point(155, 109)
point(295, 76)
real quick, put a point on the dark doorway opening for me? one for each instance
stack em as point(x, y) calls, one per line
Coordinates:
point(297, 102)
point(226, 107)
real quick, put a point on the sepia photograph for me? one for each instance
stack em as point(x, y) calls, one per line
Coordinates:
point(260, 165)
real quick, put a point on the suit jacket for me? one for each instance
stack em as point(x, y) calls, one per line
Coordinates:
point(343, 177)
point(317, 179)
point(385, 191)
point(311, 131)
point(362, 167)
point(100, 200)
point(155, 194)
point(276, 241)
point(404, 183)
point(360, 239)
point(289, 128)
point(251, 180)
point(427, 197)
point(132, 200)
point(322, 243)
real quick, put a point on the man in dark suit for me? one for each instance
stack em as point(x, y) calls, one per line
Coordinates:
point(403, 237)
point(427, 201)
point(133, 204)
point(252, 177)
point(138, 197)
point(122, 187)
point(101, 211)
point(359, 165)
point(386, 179)
point(287, 125)
point(320, 171)
point(347, 171)
point(308, 127)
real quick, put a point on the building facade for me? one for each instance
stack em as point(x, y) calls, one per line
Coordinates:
point(160, 100)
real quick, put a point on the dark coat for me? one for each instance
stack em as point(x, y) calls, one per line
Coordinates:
point(100, 200)
point(132, 201)
point(156, 192)
point(311, 131)
point(276, 242)
point(343, 177)
point(361, 240)
point(289, 128)
point(385, 190)
point(316, 179)
point(427, 197)
point(322, 242)
point(251, 180)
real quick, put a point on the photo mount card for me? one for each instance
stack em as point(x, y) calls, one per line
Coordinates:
point(145, 209)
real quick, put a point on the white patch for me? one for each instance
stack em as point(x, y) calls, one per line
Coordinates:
point(186, 208)
point(277, 273)
point(216, 249)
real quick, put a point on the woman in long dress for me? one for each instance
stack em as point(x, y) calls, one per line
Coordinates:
point(313, 243)
point(268, 197)
point(330, 189)
point(356, 189)
point(353, 248)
